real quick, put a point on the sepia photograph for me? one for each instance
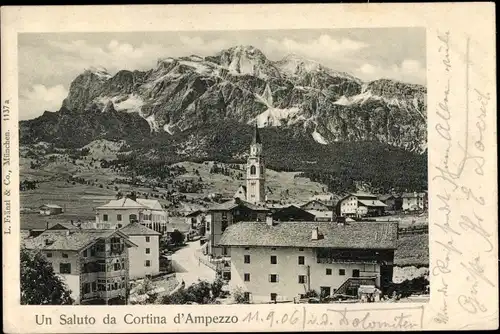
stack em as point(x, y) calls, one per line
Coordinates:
point(223, 167)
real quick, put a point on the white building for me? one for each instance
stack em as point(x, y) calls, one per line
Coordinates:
point(414, 201)
point(145, 258)
point(361, 204)
point(121, 212)
point(283, 260)
point(93, 263)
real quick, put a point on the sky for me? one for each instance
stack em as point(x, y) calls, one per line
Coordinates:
point(48, 62)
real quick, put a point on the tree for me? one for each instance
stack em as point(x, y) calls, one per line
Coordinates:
point(177, 237)
point(39, 283)
point(239, 296)
point(217, 287)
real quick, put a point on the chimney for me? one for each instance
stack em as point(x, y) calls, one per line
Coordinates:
point(315, 233)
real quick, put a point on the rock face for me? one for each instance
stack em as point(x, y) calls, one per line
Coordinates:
point(241, 85)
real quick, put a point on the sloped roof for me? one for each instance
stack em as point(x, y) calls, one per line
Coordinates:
point(194, 213)
point(363, 194)
point(372, 203)
point(67, 226)
point(75, 241)
point(152, 204)
point(51, 206)
point(137, 229)
point(321, 214)
point(122, 203)
point(386, 197)
point(229, 205)
point(181, 227)
point(413, 195)
point(357, 235)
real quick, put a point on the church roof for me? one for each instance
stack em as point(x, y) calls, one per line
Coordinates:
point(256, 135)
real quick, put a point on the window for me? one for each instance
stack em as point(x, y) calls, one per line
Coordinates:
point(224, 250)
point(246, 277)
point(253, 170)
point(147, 263)
point(274, 248)
point(119, 218)
point(274, 296)
point(341, 272)
point(85, 254)
point(302, 260)
point(273, 278)
point(302, 279)
point(329, 271)
point(86, 288)
point(247, 296)
point(246, 259)
point(247, 248)
point(105, 218)
point(92, 251)
point(102, 265)
point(116, 266)
point(148, 239)
point(301, 249)
point(148, 250)
point(94, 286)
point(355, 273)
point(64, 255)
point(49, 254)
point(65, 268)
point(274, 259)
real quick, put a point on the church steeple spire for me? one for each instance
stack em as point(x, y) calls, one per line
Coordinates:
point(256, 135)
point(256, 170)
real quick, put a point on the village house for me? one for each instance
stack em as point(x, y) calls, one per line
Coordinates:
point(282, 261)
point(322, 216)
point(393, 202)
point(226, 214)
point(360, 205)
point(144, 259)
point(292, 213)
point(121, 212)
point(50, 209)
point(195, 218)
point(241, 193)
point(181, 225)
point(93, 263)
point(316, 205)
point(415, 201)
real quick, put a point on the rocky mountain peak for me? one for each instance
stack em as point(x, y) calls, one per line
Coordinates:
point(240, 84)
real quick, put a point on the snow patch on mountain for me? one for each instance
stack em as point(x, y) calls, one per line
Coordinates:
point(100, 72)
point(133, 103)
point(277, 117)
point(319, 138)
point(358, 99)
point(197, 66)
point(168, 129)
point(153, 124)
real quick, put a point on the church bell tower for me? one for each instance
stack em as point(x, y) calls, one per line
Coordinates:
point(256, 173)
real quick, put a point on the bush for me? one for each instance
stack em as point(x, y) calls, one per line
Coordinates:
point(239, 296)
point(217, 287)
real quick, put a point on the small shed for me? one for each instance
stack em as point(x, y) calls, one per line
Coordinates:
point(50, 209)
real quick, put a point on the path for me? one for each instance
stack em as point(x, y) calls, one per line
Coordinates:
point(188, 268)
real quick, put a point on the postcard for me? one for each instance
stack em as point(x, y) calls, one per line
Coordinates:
point(227, 168)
